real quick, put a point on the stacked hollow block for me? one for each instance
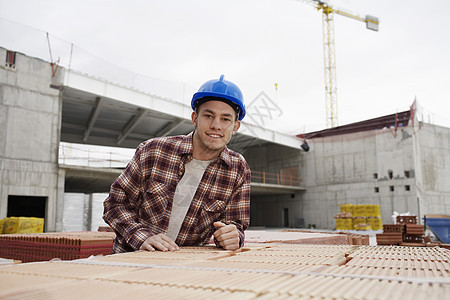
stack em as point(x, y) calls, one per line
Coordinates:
point(47, 246)
point(306, 237)
point(359, 217)
point(405, 232)
point(76, 245)
point(258, 271)
point(414, 233)
point(392, 234)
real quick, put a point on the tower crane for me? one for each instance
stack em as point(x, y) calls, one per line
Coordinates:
point(329, 52)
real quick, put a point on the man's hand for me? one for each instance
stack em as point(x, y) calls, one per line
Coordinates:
point(227, 236)
point(160, 242)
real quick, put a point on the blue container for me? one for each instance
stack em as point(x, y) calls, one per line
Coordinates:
point(440, 227)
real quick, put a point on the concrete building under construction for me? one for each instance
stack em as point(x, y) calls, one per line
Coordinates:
point(395, 160)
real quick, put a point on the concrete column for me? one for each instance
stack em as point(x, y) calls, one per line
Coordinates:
point(60, 200)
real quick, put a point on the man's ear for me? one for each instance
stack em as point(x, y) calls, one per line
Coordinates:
point(237, 124)
point(194, 119)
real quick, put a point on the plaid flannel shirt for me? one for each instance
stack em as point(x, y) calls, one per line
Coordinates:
point(140, 201)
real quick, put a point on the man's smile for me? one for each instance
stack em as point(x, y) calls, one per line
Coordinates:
point(214, 135)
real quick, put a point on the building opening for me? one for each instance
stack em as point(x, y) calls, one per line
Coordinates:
point(10, 59)
point(26, 206)
point(286, 217)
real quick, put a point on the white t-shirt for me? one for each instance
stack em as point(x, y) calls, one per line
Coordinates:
point(184, 194)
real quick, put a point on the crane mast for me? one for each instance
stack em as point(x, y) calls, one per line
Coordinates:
point(329, 54)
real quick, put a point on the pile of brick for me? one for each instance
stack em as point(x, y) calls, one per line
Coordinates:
point(75, 245)
point(63, 245)
point(105, 229)
point(322, 237)
point(258, 271)
point(405, 232)
point(392, 234)
point(297, 236)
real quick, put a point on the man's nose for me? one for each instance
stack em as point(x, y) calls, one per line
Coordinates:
point(216, 123)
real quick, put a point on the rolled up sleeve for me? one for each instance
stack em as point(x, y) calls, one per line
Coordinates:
point(122, 204)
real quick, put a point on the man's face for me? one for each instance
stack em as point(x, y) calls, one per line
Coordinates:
point(215, 123)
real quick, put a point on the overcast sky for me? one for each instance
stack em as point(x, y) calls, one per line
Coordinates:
point(257, 43)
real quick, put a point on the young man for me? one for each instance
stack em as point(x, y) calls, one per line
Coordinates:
point(182, 190)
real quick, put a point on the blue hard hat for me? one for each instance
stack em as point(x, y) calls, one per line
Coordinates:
point(221, 90)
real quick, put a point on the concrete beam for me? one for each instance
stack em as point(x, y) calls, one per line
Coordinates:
point(274, 189)
point(98, 180)
point(130, 126)
point(93, 117)
point(170, 128)
point(166, 106)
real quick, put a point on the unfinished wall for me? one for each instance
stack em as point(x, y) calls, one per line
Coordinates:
point(396, 173)
point(29, 133)
point(271, 158)
point(275, 210)
point(375, 167)
point(403, 170)
point(432, 158)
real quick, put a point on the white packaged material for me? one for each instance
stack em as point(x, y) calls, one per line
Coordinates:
point(74, 212)
point(97, 211)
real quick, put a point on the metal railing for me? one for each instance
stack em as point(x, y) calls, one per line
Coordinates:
point(94, 156)
point(107, 157)
point(276, 178)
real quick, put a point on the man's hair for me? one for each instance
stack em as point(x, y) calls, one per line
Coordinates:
point(206, 99)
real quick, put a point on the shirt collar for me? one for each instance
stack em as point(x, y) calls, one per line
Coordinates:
point(186, 147)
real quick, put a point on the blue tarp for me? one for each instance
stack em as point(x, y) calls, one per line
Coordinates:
point(440, 227)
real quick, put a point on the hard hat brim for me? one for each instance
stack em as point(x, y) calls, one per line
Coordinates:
point(202, 97)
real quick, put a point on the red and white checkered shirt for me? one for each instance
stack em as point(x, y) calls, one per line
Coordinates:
point(140, 201)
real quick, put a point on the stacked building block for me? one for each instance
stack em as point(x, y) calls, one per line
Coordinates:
point(406, 219)
point(258, 271)
point(414, 233)
point(359, 217)
point(392, 234)
point(297, 236)
point(47, 246)
point(405, 232)
point(76, 245)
